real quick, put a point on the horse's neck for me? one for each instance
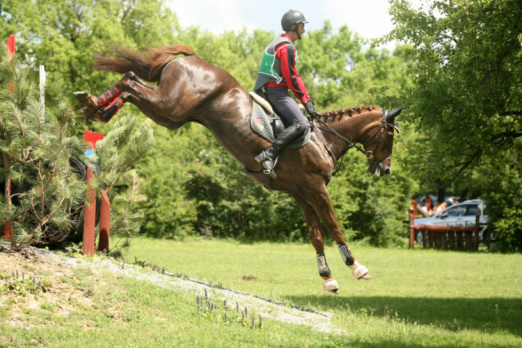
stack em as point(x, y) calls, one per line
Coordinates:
point(350, 127)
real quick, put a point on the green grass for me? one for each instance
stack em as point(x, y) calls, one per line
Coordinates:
point(118, 311)
point(418, 298)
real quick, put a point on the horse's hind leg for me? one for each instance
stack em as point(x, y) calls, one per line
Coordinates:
point(147, 111)
point(129, 89)
point(102, 107)
point(323, 207)
point(314, 229)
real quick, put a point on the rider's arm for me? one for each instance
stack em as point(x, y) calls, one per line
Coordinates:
point(286, 54)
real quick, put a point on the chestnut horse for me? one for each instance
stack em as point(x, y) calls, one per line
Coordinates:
point(192, 90)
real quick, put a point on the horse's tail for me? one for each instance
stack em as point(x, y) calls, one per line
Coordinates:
point(147, 66)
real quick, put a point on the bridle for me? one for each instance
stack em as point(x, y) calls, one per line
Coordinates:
point(369, 154)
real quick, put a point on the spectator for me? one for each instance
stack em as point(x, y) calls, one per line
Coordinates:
point(440, 208)
point(425, 207)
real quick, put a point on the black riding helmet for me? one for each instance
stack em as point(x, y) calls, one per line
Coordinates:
point(292, 17)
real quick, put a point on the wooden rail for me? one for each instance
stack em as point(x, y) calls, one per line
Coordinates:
point(89, 223)
point(447, 237)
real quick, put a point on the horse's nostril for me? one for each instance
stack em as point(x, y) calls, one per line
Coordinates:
point(387, 171)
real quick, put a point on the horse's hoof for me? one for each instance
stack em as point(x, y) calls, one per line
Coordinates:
point(81, 95)
point(331, 285)
point(366, 276)
point(360, 272)
point(87, 99)
point(89, 114)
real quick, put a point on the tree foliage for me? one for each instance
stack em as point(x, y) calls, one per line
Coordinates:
point(65, 35)
point(36, 145)
point(192, 185)
point(467, 94)
point(44, 159)
point(466, 101)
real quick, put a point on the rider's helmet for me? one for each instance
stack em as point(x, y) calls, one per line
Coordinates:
point(292, 17)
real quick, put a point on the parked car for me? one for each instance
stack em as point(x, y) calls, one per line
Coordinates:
point(461, 215)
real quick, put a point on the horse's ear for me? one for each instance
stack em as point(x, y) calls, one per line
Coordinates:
point(390, 118)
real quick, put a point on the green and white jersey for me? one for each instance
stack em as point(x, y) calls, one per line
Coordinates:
point(270, 66)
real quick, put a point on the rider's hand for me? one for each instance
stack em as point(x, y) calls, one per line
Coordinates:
point(310, 108)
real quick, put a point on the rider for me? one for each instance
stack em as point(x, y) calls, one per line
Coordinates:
point(278, 73)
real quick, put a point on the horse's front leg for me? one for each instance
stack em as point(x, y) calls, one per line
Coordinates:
point(323, 207)
point(314, 229)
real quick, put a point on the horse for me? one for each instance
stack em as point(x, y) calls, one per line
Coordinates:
point(190, 89)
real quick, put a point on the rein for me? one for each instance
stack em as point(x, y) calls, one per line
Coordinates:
point(369, 154)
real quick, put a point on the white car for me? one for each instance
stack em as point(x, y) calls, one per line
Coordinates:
point(461, 215)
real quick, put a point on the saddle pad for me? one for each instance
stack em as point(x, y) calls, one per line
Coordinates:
point(260, 123)
point(263, 102)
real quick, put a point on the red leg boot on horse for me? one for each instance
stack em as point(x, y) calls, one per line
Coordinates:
point(101, 108)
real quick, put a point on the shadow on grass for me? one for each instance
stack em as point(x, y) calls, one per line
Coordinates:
point(454, 314)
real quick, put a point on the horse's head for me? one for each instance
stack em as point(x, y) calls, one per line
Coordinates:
point(378, 143)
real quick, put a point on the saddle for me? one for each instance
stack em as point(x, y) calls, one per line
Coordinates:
point(268, 124)
point(265, 122)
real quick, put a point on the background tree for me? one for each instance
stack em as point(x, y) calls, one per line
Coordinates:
point(45, 162)
point(466, 99)
point(36, 146)
point(193, 186)
point(66, 35)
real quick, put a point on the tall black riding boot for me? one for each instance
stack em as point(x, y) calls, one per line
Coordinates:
point(268, 158)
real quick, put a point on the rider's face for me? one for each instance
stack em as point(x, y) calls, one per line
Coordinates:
point(301, 28)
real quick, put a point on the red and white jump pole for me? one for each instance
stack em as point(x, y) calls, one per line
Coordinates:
point(10, 54)
point(89, 222)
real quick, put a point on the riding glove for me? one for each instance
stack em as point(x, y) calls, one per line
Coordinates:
point(310, 108)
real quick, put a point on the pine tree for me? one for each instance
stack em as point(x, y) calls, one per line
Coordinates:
point(36, 146)
point(44, 160)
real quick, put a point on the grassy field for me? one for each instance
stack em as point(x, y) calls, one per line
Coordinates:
point(418, 298)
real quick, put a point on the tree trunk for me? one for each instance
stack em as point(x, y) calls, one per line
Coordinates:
point(8, 201)
point(441, 195)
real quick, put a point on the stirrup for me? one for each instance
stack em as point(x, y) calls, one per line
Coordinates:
point(270, 170)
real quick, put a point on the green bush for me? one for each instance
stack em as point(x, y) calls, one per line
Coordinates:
point(42, 156)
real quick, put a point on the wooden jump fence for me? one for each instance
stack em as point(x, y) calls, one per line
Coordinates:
point(449, 237)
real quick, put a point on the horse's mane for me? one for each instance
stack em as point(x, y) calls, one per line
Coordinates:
point(347, 112)
point(147, 65)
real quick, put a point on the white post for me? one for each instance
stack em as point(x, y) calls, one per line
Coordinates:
point(42, 92)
